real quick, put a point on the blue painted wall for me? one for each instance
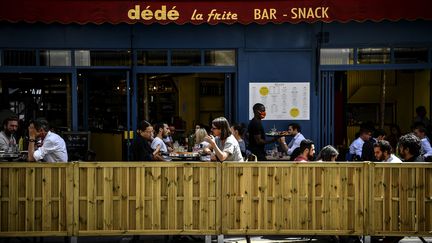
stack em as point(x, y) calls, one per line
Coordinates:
point(266, 53)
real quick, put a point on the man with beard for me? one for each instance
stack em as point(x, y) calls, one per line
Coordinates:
point(257, 138)
point(382, 152)
point(409, 148)
point(7, 139)
point(307, 151)
point(158, 145)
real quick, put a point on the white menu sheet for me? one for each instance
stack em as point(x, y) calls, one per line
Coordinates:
point(283, 100)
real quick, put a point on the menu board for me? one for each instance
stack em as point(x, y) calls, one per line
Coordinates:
point(283, 100)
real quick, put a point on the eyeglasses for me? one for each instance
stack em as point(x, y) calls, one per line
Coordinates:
point(213, 128)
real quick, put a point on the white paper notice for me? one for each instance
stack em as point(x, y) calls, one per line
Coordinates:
point(283, 101)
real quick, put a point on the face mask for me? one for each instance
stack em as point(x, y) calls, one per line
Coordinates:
point(262, 114)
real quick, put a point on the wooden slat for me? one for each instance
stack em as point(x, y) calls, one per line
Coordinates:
point(30, 182)
point(295, 198)
point(91, 199)
point(342, 199)
point(172, 198)
point(278, 205)
point(156, 223)
point(203, 199)
point(108, 198)
point(124, 201)
point(188, 197)
point(215, 191)
point(245, 194)
point(13, 200)
point(140, 183)
point(403, 198)
point(263, 195)
point(420, 200)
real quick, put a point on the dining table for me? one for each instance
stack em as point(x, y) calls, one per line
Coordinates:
point(13, 156)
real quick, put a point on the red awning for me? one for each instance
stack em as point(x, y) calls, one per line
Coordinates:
point(211, 12)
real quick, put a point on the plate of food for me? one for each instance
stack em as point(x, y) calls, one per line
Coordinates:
point(277, 133)
point(184, 154)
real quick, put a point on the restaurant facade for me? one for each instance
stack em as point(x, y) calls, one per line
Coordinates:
point(104, 66)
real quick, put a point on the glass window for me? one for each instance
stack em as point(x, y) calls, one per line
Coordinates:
point(82, 58)
point(337, 56)
point(152, 58)
point(33, 95)
point(373, 55)
point(220, 58)
point(186, 58)
point(19, 57)
point(110, 58)
point(411, 55)
point(55, 58)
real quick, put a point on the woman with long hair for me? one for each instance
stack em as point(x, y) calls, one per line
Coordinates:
point(223, 143)
point(328, 154)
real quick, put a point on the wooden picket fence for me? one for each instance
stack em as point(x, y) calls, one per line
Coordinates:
point(36, 199)
point(143, 198)
point(291, 198)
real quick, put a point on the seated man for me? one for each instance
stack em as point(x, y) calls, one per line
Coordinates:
point(294, 130)
point(158, 145)
point(409, 148)
point(426, 149)
point(307, 151)
point(383, 152)
point(7, 139)
point(356, 147)
point(368, 146)
point(53, 147)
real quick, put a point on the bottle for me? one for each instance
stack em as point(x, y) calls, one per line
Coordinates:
point(275, 151)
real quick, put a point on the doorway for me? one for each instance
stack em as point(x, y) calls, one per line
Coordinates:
point(185, 100)
point(103, 110)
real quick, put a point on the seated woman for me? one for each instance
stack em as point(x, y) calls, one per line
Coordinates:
point(142, 150)
point(224, 144)
point(328, 154)
point(201, 145)
point(200, 134)
point(238, 131)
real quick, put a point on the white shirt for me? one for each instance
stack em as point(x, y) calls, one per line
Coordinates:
point(53, 149)
point(426, 147)
point(232, 147)
point(295, 143)
point(394, 159)
point(5, 141)
point(356, 147)
point(157, 141)
point(168, 139)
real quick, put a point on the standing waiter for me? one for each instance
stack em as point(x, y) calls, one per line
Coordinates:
point(257, 139)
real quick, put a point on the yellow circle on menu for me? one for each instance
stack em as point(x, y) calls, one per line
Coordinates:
point(264, 91)
point(294, 112)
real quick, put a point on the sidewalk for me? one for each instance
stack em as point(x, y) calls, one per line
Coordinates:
point(184, 239)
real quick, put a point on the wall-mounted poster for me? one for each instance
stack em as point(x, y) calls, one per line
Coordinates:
point(283, 101)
